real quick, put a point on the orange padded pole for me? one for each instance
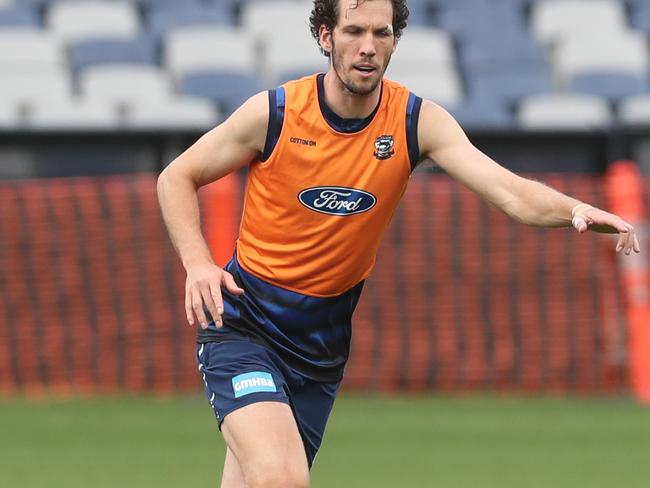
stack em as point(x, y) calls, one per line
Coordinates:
point(220, 209)
point(624, 191)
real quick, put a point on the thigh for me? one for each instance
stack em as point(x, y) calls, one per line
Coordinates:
point(264, 438)
point(232, 475)
point(247, 390)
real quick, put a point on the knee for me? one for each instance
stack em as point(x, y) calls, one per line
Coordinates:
point(279, 475)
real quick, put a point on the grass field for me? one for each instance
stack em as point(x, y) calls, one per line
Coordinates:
point(371, 442)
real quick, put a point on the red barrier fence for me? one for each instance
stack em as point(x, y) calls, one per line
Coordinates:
point(91, 293)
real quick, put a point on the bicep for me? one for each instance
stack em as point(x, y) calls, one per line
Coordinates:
point(229, 146)
point(443, 141)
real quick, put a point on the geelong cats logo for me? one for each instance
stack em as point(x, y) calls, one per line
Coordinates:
point(384, 147)
point(337, 200)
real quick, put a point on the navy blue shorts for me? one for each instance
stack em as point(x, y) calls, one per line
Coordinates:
point(237, 373)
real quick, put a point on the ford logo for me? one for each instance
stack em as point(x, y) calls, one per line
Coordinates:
point(337, 200)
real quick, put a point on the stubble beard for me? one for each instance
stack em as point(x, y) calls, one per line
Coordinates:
point(349, 85)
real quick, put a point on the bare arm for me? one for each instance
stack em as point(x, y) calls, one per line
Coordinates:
point(527, 201)
point(226, 148)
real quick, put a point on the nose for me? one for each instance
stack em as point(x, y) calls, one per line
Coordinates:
point(367, 48)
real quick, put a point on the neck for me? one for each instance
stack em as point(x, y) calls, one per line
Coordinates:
point(346, 104)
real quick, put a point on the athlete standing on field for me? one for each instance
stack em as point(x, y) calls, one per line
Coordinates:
point(329, 157)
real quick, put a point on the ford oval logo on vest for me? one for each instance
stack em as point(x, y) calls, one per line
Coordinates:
point(337, 200)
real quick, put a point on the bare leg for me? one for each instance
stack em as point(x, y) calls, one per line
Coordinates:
point(232, 476)
point(265, 441)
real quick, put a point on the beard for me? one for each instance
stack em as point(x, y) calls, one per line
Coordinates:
point(351, 86)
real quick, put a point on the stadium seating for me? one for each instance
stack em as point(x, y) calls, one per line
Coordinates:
point(483, 114)
point(552, 19)
point(424, 46)
point(467, 54)
point(141, 49)
point(227, 90)
point(623, 52)
point(75, 21)
point(47, 85)
point(73, 114)
point(163, 20)
point(18, 16)
point(612, 86)
point(193, 49)
point(635, 110)
point(564, 111)
point(174, 113)
point(27, 51)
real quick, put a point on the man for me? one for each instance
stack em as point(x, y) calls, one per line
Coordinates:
point(329, 158)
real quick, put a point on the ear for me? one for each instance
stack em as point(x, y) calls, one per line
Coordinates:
point(325, 38)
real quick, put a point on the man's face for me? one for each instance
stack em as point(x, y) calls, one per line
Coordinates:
point(361, 44)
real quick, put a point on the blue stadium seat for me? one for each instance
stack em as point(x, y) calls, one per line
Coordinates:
point(421, 13)
point(640, 15)
point(510, 85)
point(475, 113)
point(612, 86)
point(139, 50)
point(504, 50)
point(228, 90)
point(163, 20)
point(20, 16)
point(481, 19)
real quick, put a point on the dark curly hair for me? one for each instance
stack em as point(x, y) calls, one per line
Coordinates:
point(326, 12)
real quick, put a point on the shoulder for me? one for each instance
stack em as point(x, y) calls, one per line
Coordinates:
point(437, 129)
point(248, 124)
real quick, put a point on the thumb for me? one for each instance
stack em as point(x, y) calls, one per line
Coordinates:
point(231, 286)
point(579, 223)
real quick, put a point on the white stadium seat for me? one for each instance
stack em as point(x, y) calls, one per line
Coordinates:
point(625, 52)
point(10, 116)
point(564, 111)
point(423, 46)
point(49, 84)
point(554, 19)
point(73, 114)
point(286, 53)
point(441, 86)
point(121, 83)
point(26, 50)
point(74, 21)
point(194, 49)
point(265, 19)
point(175, 113)
point(635, 110)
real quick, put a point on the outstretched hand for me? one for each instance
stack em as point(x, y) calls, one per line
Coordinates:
point(203, 288)
point(586, 217)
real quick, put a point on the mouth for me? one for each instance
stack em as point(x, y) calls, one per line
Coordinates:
point(365, 69)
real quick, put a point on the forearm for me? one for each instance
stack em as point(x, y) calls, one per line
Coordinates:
point(180, 209)
point(539, 205)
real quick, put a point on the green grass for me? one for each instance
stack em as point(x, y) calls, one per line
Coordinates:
point(371, 442)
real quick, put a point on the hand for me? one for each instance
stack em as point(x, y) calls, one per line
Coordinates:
point(586, 217)
point(203, 287)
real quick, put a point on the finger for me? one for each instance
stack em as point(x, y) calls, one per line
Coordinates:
point(189, 314)
point(637, 247)
point(197, 306)
point(620, 244)
point(217, 304)
point(210, 304)
point(629, 239)
point(231, 285)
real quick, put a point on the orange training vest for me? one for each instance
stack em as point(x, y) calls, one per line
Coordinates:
point(316, 209)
